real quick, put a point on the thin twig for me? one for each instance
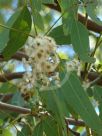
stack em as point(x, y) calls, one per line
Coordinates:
point(54, 23)
point(95, 81)
point(87, 65)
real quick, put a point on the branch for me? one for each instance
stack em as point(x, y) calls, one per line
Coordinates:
point(13, 108)
point(90, 24)
point(18, 56)
point(11, 76)
point(18, 109)
point(75, 122)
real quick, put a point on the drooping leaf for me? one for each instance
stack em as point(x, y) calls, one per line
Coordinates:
point(59, 36)
point(97, 92)
point(69, 10)
point(36, 5)
point(50, 127)
point(80, 41)
point(73, 95)
point(4, 35)
point(18, 38)
point(77, 98)
point(91, 11)
point(38, 21)
point(25, 131)
point(55, 107)
point(38, 130)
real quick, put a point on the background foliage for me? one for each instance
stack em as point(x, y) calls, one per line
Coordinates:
point(73, 109)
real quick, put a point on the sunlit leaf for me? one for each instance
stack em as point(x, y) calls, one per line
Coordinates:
point(18, 38)
point(91, 11)
point(69, 11)
point(7, 132)
point(38, 21)
point(77, 98)
point(36, 4)
point(80, 41)
point(4, 35)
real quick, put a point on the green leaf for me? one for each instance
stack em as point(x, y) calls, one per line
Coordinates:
point(36, 4)
point(7, 132)
point(55, 106)
point(91, 10)
point(7, 88)
point(70, 13)
point(98, 93)
point(80, 41)
point(17, 99)
point(73, 95)
point(59, 36)
point(4, 35)
point(38, 21)
point(48, 1)
point(89, 91)
point(38, 131)
point(17, 39)
point(50, 127)
point(25, 131)
point(77, 98)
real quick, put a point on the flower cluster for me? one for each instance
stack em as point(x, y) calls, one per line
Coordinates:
point(41, 67)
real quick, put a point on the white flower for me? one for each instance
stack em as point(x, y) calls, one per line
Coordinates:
point(42, 61)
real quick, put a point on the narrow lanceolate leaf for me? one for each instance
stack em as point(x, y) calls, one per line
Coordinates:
point(38, 130)
point(25, 131)
point(36, 4)
point(4, 35)
point(69, 8)
point(19, 37)
point(38, 21)
point(97, 92)
point(80, 41)
point(91, 10)
point(77, 98)
point(59, 36)
point(47, 126)
point(55, 107)
point(50, 127)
